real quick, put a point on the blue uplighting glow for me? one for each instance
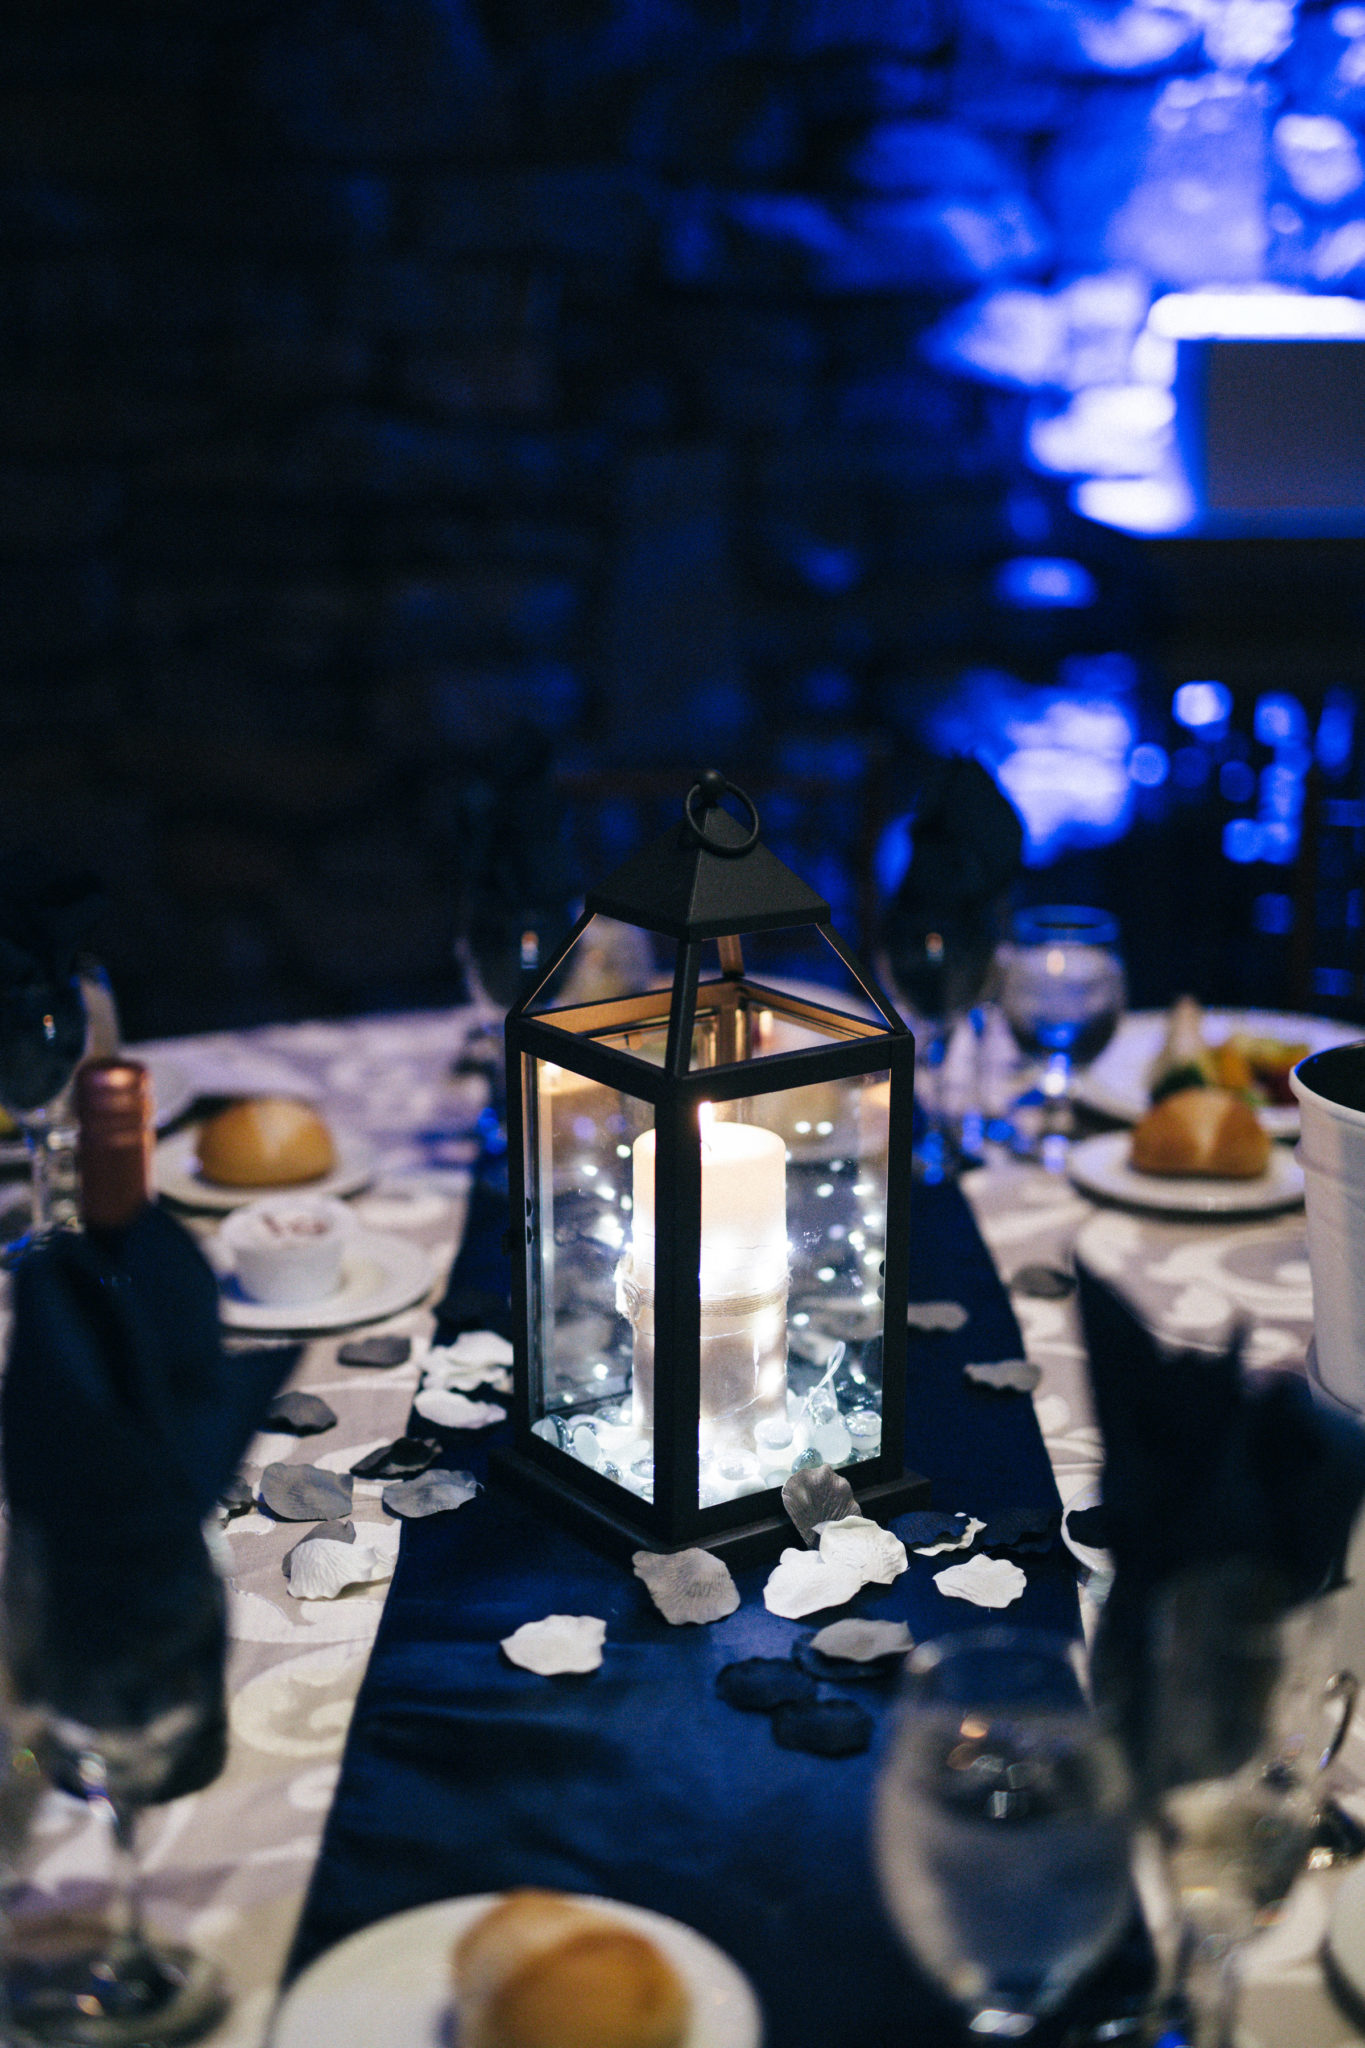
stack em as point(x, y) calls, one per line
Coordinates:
point(1200, 706)
point(1273, 913)
point(1242, 839)
point(1237, 782)
point(1336, 732)
point(1149, 765)
point(1044, 583)
point(1062, 755)
point(1279, 719)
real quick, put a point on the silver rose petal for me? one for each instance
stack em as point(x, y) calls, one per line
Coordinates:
point(430, 1493)
point(306, 1493)
point(320, 1567)
point(561, 1642)
point(935, 1315)
point(862, 1642)
point(456, 1411)
point(802, 1583)
point(687, 1585)
point(864, 1547)
point(1018, 1374)
point(814, 1495)
point(985, 1581)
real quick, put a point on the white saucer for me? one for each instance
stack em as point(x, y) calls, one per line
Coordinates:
point(379, 1275)
point(179, 1178)
point(391, 1982)
point(1115, 1084)
point(1099, 1166)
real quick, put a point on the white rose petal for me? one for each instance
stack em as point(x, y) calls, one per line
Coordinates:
point(864, 1547)
point(985, 1581)
point(455, 1411)
point(320, 1567)
point(802, 1583)
point(561, 1642)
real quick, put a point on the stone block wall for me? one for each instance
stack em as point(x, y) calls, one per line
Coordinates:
point(392, 386)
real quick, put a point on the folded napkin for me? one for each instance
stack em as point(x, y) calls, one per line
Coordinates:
point(122, 1422)
point(1210, 1470)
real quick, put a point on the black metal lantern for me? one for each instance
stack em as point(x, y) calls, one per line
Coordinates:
point(710, 1186)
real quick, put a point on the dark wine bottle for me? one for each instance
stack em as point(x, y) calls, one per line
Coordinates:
point(115, 1617)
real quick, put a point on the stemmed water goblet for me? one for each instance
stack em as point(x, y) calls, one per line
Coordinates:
point(43, 1025)
point(939, 973)
point(1062, 992)
point(120, 1715)
point(1003, 1826)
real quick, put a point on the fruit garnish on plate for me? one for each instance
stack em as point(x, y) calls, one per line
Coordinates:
point(1255, 1066)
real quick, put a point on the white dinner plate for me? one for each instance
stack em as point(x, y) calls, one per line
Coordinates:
point(379, 1275)
point(178, 1175)
point(1115, 1084)
point(391, 1982)
point(1099, 1166)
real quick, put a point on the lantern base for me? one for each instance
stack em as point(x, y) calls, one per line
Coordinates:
point(749, 1543)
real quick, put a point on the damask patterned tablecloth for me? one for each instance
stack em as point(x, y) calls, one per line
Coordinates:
point(227, 1868)
point(1194, 1282)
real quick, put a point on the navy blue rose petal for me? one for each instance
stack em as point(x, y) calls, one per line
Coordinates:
point(759, 1685)
point(1027, 1529)
point(823, 1727)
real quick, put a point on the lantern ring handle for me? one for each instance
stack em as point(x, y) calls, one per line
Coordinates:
point(711, 787)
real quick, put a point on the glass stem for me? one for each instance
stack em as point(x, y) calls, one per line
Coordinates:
point(123, 1913)
point(125, 1878)
point(1056, 1081)
point(40, 1178)
point(1208, 1989)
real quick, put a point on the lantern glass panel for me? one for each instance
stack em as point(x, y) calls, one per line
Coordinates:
point(581, 1135)
point(793, 1245)
point(835, 1135)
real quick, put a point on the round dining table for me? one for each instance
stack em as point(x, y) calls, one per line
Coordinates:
point(228, 1868)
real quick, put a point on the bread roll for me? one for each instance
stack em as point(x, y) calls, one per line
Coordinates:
point(542, 1970)
point(1202, 1131)
point(269, 1141)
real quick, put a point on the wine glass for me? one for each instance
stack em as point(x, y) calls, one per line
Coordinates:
point(43, 1029)
point(1242, 1718)
point(1062, 992)
point(1003, 1826)
point(939, 972)
point(120, 1710)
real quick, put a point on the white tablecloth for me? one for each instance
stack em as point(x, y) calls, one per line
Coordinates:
point(227, 1868)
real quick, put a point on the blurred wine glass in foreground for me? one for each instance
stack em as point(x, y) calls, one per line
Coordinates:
point(1003, 1826)
point(121, 1718)
point(1242, 1718)
point(1062, 992)
point(961, 848)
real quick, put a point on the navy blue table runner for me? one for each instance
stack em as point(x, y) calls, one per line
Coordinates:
point(464, 1774)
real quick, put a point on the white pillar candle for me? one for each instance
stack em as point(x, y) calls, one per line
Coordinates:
point(743, 1278)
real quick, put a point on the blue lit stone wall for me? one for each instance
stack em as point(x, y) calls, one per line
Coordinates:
point(391, 384)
